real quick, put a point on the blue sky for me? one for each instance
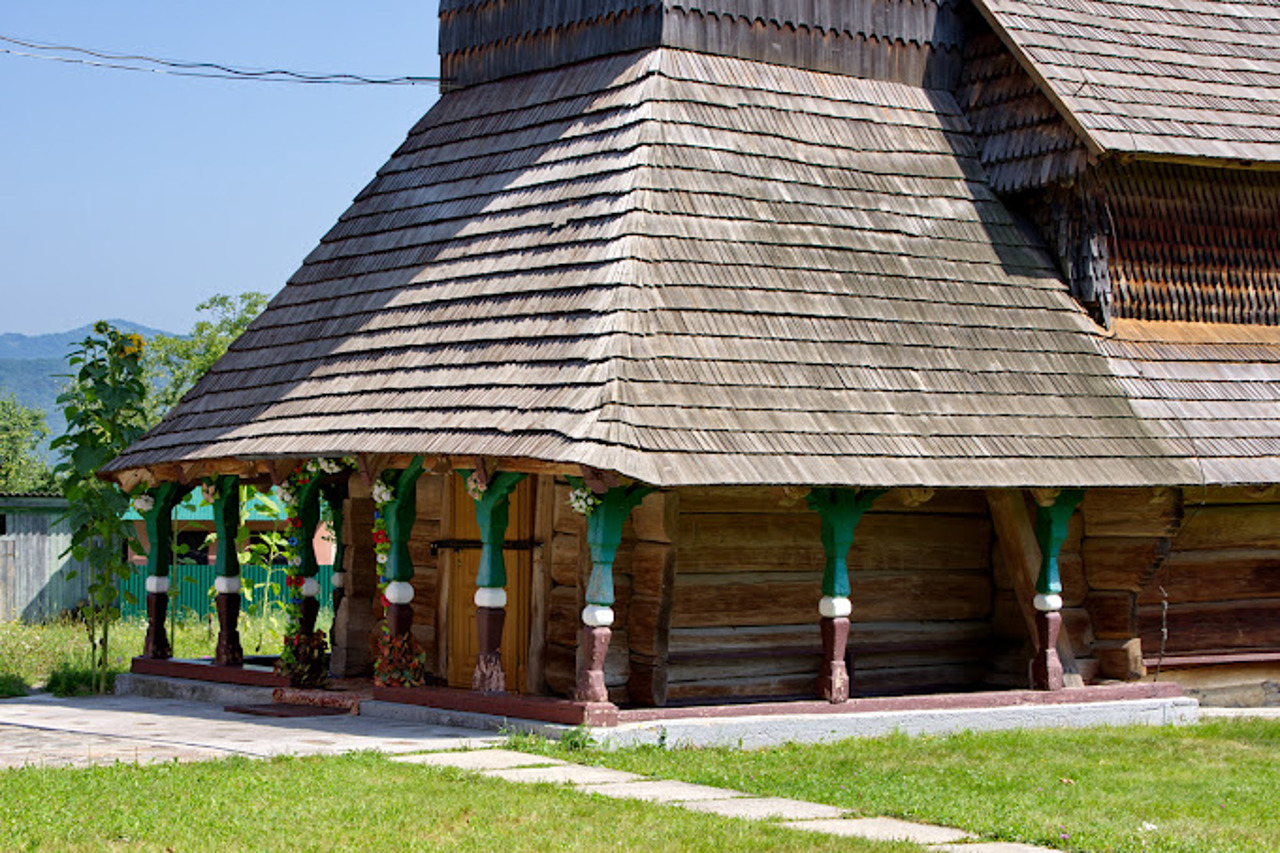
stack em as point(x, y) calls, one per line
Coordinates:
point(138, 195)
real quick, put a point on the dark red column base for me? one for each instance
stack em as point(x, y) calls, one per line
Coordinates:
point(156, 646)
point(593, 647)
point(833, 677)
point(228, 651)
point(489, 676)
point(1046, 666)
point(399, 618)
point(309, 610)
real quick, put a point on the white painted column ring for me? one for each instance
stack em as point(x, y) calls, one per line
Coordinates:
point(597, 616)
point(834, 607)
point(227, 585)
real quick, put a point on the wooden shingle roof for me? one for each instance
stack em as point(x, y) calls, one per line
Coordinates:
point(1160, 78)
point(691, 270)
point(1212, 389)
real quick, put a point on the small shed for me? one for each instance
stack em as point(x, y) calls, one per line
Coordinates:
point(33, 564)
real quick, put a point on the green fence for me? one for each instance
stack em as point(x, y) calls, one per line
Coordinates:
point(190, 589)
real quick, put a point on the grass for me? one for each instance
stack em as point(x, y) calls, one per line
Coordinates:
point(355, 802)
point(1204, 788)
point(54, 654)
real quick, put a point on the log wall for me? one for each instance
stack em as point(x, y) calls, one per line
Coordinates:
point(744, 619)
point(1211, 555)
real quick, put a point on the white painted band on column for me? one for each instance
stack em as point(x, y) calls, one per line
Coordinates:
point(399, 592)
point(834, 607)
point(157, 584)
point(1048, 603)
point(494, 597)
point(226, 585)
point(597, 616)
point(311, 588)
point(338, 579)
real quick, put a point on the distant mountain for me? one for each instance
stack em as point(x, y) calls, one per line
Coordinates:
point(30, 367)
point(57, 344)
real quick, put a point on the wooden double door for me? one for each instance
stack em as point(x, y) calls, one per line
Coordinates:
point(463, 565)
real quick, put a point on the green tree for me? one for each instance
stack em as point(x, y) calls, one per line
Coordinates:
point(104, 410)
point(173, 364)
point(22, 468)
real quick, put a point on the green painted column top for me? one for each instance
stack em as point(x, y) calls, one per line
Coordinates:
point(604, 535)
point(1051, 532)
point(308, 504)
point(159, 523)
point(226, 524)
point(335, 495)
point(840, 509)
point(400, 513)
point(492, 516)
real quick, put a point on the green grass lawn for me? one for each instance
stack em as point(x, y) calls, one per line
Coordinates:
point(356, 802)
point(1205, 788)
point(31, 653)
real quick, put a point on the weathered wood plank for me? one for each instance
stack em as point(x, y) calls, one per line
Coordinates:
point(1114, 615)
point(1209, 628)
point(777, 598)
point(1224, 575)
point(1131, 512)
point(566, 558)
point(1230, 527)
point(1121, 564)
point(714, 542)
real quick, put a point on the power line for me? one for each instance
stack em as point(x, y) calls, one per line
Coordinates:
point(208, 70)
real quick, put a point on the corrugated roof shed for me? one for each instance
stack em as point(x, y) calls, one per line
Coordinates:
point(688, 269)
point(1165, 78)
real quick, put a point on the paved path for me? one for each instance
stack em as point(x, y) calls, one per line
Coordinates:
point(43, 730)
point(796, 814)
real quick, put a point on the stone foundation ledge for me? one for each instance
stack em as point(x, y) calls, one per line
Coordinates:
point(750, 732)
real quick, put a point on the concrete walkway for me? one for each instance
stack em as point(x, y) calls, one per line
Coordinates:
point(796, 814)
point(47, 731)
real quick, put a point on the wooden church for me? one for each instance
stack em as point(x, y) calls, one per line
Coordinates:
point(741, 350)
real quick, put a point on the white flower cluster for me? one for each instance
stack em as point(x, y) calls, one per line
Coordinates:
point(583, 500)
point(382, 558)
point(326, 466)
point(295, 560)
point(381, 492)
point(475, 486)
point(209, 492)
point(287, 497)
point(144, 503)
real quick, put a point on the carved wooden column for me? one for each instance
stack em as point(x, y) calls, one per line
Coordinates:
point(840, 510)
point(604, 534)
point(335, 495)
point(158, 518)
point(1055, 509)
point(399, 514)
point(492, 496)
point(307, 502)
point(226, 569)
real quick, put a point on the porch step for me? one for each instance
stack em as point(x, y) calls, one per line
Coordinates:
point(287, 709)
point(343, 702)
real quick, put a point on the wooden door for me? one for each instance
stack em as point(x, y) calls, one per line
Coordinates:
point(463, 646)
